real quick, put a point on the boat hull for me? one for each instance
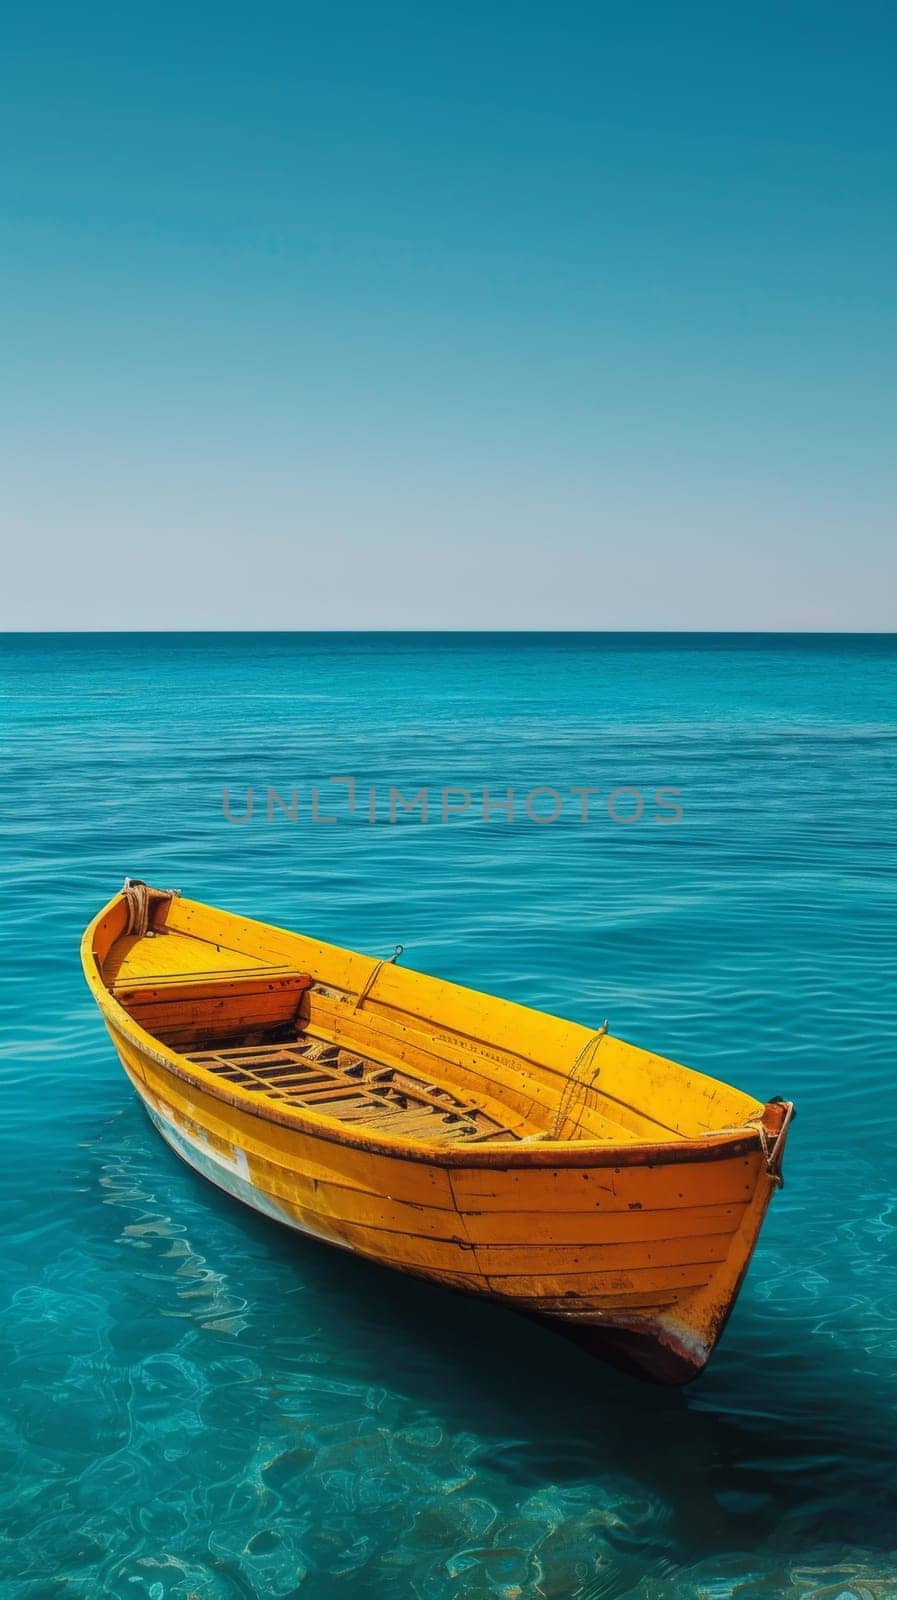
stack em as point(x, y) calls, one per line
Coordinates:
point(638, 1260)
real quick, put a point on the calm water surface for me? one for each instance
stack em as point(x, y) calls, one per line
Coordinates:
point(196, 1404)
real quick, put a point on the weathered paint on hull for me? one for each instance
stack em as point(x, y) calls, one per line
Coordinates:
point(645, 1353)
point(631, 1230)
point(639, 1318)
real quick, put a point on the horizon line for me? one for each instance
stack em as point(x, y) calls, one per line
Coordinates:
point(769, 633)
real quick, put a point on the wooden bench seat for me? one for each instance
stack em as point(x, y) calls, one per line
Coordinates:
point(192, 1009)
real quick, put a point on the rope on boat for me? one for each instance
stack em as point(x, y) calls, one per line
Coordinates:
point(775, 1149)
point(578, 1081)
point(137, 899)
point(385, 961)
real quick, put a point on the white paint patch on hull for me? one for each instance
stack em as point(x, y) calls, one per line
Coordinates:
point(230, 1175)
point(687, 1341)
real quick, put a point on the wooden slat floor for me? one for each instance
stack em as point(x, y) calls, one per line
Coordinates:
point(340, 1083)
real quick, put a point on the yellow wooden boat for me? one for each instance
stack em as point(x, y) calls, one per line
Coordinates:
point(471, 1141)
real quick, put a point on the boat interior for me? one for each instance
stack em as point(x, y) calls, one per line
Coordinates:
point(254, 1030)
point(346, 1039)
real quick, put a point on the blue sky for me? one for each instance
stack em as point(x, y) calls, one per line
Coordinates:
point(578, 316)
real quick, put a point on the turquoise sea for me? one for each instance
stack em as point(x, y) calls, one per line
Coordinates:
point(197, 1405)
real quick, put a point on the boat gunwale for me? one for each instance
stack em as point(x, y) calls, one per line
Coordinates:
point(496, 1156)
